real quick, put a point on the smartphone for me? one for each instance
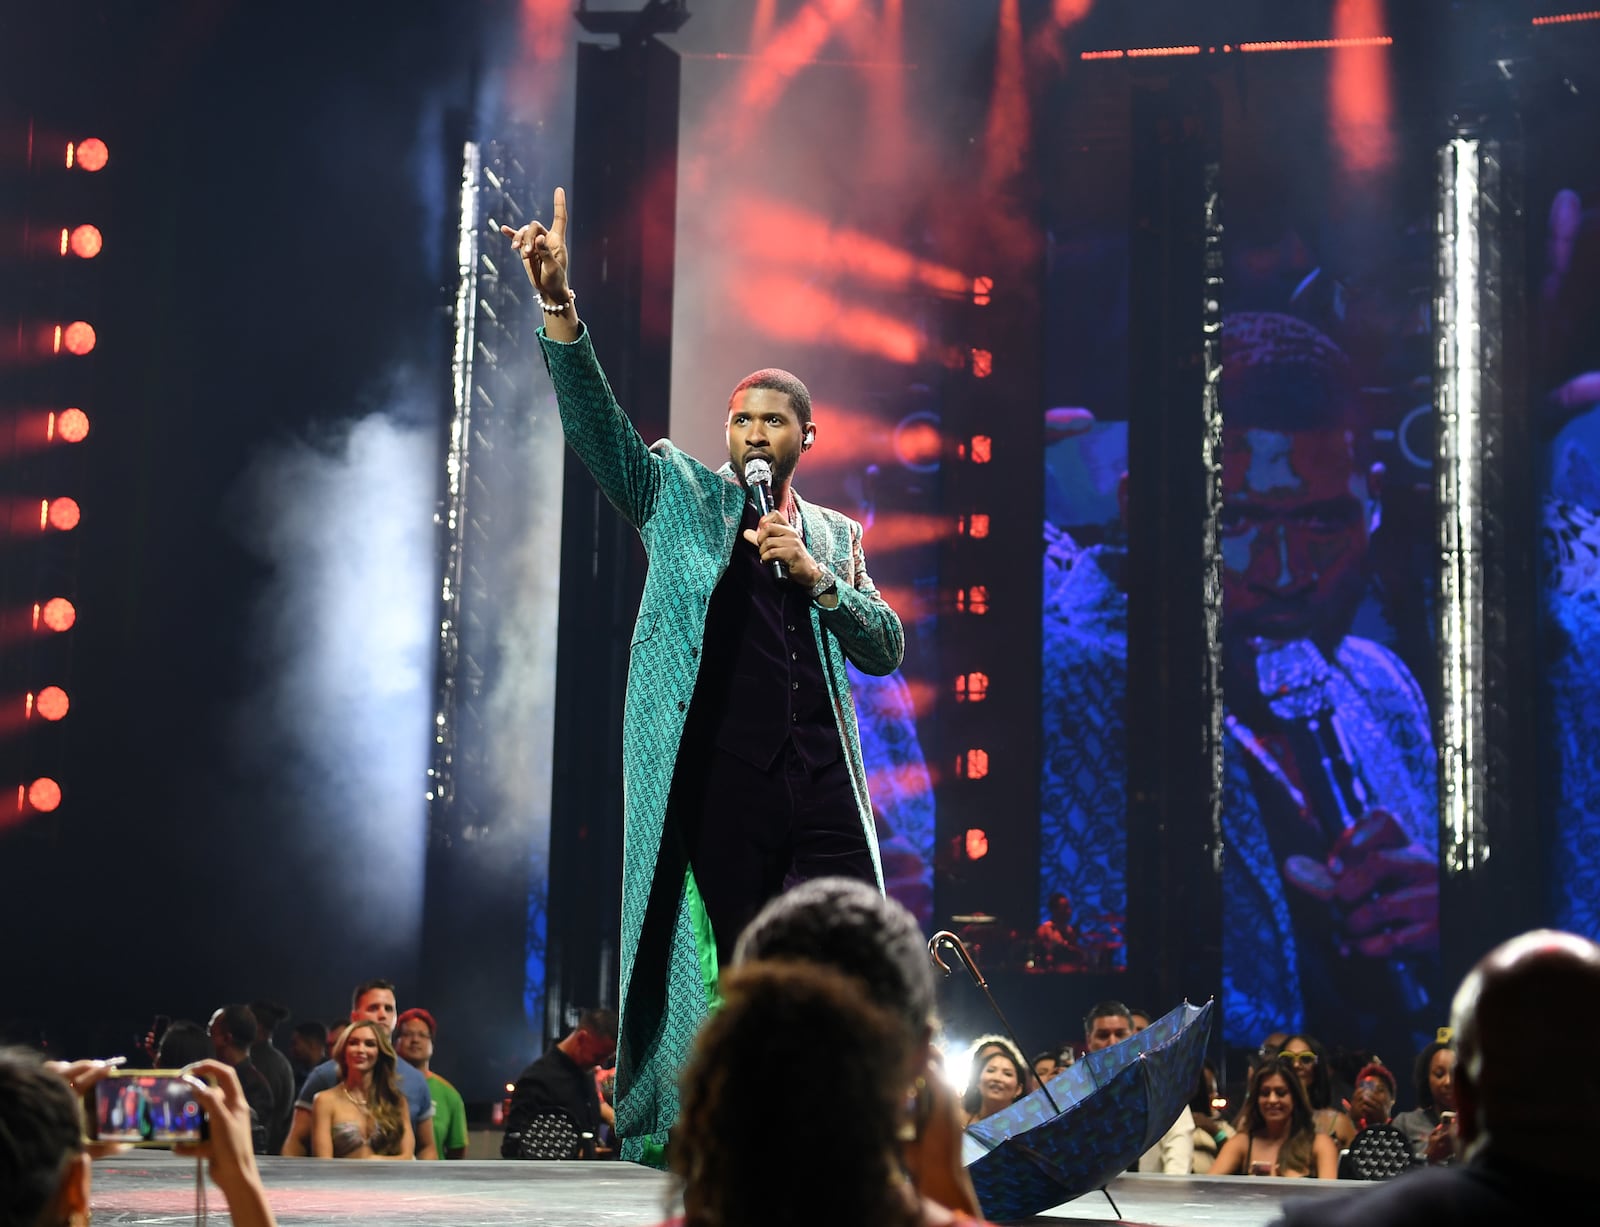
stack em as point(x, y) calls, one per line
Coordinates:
point(1446, 1117)
point(144, 1107)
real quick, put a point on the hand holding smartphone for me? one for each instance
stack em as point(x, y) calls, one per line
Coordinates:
point(144, 1107)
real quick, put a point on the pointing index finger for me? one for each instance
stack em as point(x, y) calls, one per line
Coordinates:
point(558, 216)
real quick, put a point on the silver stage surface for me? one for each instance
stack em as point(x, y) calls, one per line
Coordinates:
point(155, 1187)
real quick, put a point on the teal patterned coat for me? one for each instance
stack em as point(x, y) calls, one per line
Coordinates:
point(688, 518)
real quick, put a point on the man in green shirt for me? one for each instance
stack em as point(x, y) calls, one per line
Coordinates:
point(413, 1041)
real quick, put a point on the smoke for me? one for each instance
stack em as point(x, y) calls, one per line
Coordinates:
point(336, 726)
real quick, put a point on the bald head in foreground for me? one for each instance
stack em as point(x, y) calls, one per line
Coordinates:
point(1524, 1125)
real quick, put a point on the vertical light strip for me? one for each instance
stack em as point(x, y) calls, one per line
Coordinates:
point(1460, 385)
point(453, 516)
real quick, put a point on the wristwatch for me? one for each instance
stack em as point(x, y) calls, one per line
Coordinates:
point(828, 583)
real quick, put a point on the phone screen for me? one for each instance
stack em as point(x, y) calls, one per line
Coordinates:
point(146, 1107)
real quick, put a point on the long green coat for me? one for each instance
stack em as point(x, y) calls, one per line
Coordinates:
point(688, 518)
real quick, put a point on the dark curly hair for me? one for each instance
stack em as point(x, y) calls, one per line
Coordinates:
point(1295, 1154)
point(40, 1133)
point(848, 925)
point(782, 1015)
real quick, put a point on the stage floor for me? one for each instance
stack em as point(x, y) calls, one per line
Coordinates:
point(155, 1187)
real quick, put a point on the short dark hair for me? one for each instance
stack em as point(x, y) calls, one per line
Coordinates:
point(599, 1022)
point(40, 1133)
point(1279, 373)
point(853, 928)
point(776, 380)
point(268, 1015)
point(366, 986)
point(239, 1023)
point(183, 1043)
point(1106, 1009)
point(311, 1029)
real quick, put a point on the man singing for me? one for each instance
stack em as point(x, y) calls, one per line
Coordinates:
point(741, 758)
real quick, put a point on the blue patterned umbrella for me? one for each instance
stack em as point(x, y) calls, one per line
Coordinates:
point(1114, 1105)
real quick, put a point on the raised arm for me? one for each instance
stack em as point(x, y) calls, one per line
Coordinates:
point(594, 424)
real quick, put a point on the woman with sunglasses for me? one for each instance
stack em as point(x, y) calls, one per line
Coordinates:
point(1310, 1062)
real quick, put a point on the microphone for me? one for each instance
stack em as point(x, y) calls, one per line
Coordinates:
point(1295, 679)
point(758, 479)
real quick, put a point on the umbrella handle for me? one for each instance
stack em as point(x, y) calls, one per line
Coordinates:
point(946, 939)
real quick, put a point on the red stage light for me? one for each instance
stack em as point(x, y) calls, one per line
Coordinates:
point(972, 687)
point(70, 426)
point(44, 794)
point(977, 765)
point(982, 290)
point(975, 525)
point(974, 600)
point(982, 450)
point(1557, 19)
point(918, 443)
point(976, 843)
point(51, 703)
point(57, 614)
point(78, 337)
point(63, 513)
point(86, 242)
point(91, 154)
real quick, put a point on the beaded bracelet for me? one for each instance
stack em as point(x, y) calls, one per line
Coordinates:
point(555, 308)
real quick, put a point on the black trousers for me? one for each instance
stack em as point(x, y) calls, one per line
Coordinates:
point(751, 834)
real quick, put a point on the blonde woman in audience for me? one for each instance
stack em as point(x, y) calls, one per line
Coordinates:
point(1277, 1136)
point(365, 1116)
point(843, 1168)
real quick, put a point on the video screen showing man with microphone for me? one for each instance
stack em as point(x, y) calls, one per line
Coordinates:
point(742, 758)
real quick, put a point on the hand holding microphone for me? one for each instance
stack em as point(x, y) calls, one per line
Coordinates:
point(780, 545)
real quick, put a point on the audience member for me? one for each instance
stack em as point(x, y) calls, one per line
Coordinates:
point(995, 1081)
point(1046, 1065)
point(1310, 1062)
point(1277, 1136)
point(372, 1001)
point(1139, 1018)
point(413, 1040)
point(45, 1173)
point(1373, 1100)
point(233, 1031)
point(1210, 1129)
point(561, 1084)
point(365, 1116)
point(1522, 1129)
point(335, 1031)
point(779, 1014)
point(308, 1048)
point(275, 1068)
point(850, 927)
point(1111, 1022)
point(1425, 1128)
point(182, 1044)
